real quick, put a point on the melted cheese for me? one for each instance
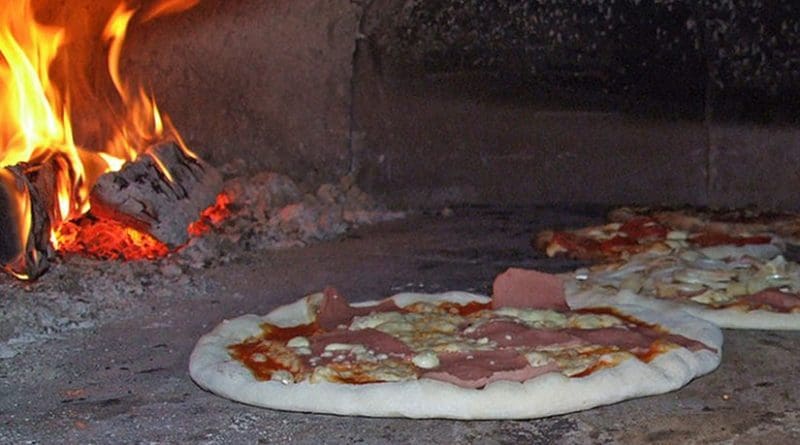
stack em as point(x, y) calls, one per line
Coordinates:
point(535, 318)
point(593, 321)
point(429, 331)
point(693, 275)
point(426, 360)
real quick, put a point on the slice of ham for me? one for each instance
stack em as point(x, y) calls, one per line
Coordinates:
point(781, 301)
point(629, 339)
point(334, 310)
point(508, 333)
point(479, 368)
point(372, 339)
point(522, 288)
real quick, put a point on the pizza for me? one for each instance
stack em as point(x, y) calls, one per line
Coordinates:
point(748, 287)
point(632, 234)
point(520, 354)
point(736, 223)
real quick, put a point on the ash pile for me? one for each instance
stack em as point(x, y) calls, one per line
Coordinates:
point(255, 212)
point(269, 210)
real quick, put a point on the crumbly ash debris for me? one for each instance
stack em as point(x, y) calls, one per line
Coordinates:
point(267, 211)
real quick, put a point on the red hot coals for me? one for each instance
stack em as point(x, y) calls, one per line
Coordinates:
point(141, 181)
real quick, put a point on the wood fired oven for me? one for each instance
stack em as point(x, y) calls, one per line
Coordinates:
point(379, 146)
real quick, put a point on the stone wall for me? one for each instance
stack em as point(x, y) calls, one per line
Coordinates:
point(519, 102)
point(268, 81)
point(598, 101)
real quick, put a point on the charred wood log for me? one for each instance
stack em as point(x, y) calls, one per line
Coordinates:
point(161, 193)
point(27, 197)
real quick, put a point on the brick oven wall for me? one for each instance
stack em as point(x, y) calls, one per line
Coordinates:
point(430, 103)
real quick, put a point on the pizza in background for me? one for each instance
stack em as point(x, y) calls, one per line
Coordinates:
point(637, 234)
point(748, 287)
point(736, 223)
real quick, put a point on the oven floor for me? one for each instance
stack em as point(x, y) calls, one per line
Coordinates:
point(126, 380)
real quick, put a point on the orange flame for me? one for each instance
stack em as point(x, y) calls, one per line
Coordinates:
point(36, 124)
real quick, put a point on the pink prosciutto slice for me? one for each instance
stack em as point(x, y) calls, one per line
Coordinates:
point(479, 368)
point(372, 339)
point(782, 301)
point(509, 334)
point(522, 288)
point(334, 310)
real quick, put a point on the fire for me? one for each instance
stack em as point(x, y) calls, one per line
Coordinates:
point(35, 105)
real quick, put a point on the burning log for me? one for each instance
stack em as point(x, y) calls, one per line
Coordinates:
point(161, 193)
point(27, 195)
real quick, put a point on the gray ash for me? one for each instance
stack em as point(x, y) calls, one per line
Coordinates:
point(267, 211)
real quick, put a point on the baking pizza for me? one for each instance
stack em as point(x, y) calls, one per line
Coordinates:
point(736, 223)
point(520, 354)
point(638, 234)
point(747, 287)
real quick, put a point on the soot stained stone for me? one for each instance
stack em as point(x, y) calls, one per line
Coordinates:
point(603, 54)
point(754, 59)
point(733, 60)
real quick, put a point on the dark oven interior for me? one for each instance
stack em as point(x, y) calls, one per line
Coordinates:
point(391, 145)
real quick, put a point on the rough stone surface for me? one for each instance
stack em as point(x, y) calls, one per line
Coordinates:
point(614, 55)
point(755, 166)
point(663, 58)
point(123, 377)
point(420, 149)
point(472, 101)
point(753, 53)
point(268, 81)
point(597, 101)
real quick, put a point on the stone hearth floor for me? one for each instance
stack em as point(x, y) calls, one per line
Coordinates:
point(124, 379)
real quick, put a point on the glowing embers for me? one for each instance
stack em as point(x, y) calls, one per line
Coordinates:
point(50, 172)
point(212, 216)
point(108, 240)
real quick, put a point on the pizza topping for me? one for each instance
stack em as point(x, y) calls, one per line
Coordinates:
point(371, 339)
point(426, 360)
point(641, 228)
point(537, 318)
point(282, 376)
point(660, 232)
point(334, 310)
point(677, 235)
point(707, 239)
point(521, 288)
point(775, 299)
point(737, 280)
point(478, 369)
point(471, 346)
point(265, 357)
point(298, 342)
point(622, 337)
point(508, 333)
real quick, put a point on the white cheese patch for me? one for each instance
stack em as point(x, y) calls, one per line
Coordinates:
point(374, 320)
point(593, 321)
point(537, 358)
point(711, 277)
point(538, 318)
point(343, 347)
point(298, 342)
point(426, 360)
point(282, 376)
point(677, 235)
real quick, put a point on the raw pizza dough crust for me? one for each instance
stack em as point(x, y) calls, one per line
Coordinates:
point(578, 296)
point(729, 318)
point(213, 369)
